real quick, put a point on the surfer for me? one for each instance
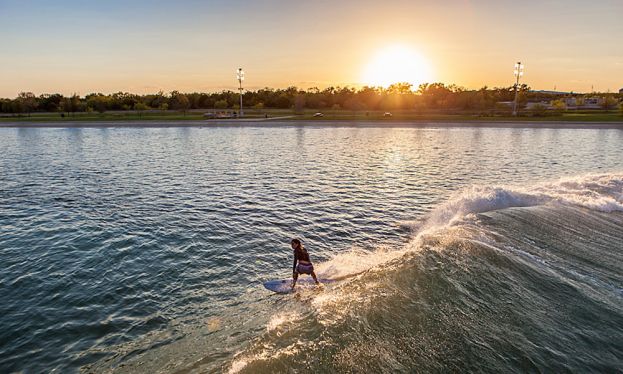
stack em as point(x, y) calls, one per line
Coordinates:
point(304, 264)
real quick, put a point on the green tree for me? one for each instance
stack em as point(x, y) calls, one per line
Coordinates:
point(179, 101)
point(121, 100)
point(220, 104)
point(140, 108)
point(66, 105)
point(50, 102)
point(71, 104)
point(355, 104)
point(283, 101)
point(370, 97)
point(16, 106)
point(402, 88)
point(559, 105)
point(299, 104)
point(608, 102)
point(5, 105)
point(155, 100)
point(434, 95)
point(98, 102)
point(28, 101)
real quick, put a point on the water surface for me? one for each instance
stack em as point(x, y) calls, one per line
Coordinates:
point(143, 250)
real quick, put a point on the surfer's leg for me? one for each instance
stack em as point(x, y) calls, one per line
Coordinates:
point(295, 276)
point(313, 274)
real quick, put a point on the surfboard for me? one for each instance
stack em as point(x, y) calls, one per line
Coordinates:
point(285, 285)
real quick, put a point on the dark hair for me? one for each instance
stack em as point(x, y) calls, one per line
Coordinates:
point(297, 243)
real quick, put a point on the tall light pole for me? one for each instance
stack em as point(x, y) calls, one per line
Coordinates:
point(518, 74)
point(240, 76)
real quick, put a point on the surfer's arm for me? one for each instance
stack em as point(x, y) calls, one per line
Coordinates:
point(294, 273)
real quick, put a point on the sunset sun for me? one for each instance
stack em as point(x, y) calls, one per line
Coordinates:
point(397, 64)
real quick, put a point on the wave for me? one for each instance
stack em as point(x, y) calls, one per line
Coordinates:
point(602, 192)
point(496, 278)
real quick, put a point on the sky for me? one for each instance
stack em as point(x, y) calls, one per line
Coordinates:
point(144, 46)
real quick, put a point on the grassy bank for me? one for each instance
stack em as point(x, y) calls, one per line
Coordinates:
point(440, 117)
point(328, 115)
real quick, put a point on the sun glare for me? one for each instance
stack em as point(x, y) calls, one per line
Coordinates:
point(397, 64)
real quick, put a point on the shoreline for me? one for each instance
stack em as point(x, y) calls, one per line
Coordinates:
point(318, 123)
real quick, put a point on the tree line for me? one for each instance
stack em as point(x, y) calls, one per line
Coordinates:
point(399, 96)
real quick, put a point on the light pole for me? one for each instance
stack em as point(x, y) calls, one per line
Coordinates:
point(240, 76)
point(518, 73)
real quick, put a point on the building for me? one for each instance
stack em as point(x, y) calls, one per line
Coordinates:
point(584, 102)
point(621, 91)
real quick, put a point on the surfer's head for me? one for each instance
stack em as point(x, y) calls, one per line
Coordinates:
point(296, 244)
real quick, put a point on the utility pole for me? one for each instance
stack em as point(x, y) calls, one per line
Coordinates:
point(240, 76)
point(518, 73)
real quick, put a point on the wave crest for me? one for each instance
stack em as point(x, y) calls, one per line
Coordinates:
point(602, 192)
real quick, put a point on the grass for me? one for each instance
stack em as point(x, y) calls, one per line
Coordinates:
point(55, 117)
point(328, 115)
point(462, 117)
point(170, 115)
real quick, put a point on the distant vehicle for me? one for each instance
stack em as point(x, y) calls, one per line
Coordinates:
point(387, 114)
point(219, 115)
point(318, 114)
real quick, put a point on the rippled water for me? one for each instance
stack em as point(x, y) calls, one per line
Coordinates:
point(144, 250)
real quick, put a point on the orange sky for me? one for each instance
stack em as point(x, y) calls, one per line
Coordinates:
point(83, 47)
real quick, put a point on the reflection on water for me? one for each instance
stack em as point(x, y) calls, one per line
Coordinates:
point(116, 240)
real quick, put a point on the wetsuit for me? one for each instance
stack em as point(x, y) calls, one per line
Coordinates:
point(302, 255)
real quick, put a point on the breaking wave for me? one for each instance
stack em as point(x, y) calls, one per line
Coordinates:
point(496, 278)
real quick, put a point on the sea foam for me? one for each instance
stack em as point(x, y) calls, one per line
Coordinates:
point(601, 192)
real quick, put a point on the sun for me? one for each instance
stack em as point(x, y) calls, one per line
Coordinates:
point(397, 64)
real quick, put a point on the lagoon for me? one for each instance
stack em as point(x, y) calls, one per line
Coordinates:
point(143, 249)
